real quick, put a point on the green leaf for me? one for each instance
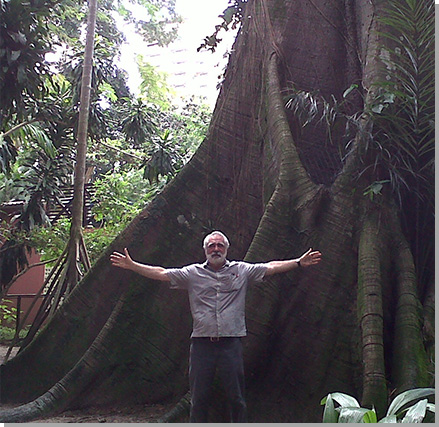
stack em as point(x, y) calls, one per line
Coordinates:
point(370, 416)
point(416, 413)
point(389, 419)
point(407, 397)
point(228, 14)
point(431, 407)
point(377, 108)
point(375, 188)
point(344, 400)
point(330, 415)
point(349, 90)
point(352, 415)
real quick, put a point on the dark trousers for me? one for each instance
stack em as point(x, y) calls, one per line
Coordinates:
point(206, 357)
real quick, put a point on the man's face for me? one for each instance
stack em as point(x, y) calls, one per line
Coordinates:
point(216, 251)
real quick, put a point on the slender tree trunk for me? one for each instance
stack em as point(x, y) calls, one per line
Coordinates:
point(74, 274)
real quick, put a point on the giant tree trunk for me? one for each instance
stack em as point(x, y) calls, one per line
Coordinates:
point(352, 324)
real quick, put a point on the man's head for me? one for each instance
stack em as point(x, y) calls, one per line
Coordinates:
point(215, 247)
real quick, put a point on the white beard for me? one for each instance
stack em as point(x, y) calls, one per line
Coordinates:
point(216, 260)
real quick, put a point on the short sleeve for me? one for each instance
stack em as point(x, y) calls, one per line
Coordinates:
point(179, 277)
point(255, 272)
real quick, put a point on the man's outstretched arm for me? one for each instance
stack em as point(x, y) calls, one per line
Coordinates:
point(125, 261)
point(309, 258)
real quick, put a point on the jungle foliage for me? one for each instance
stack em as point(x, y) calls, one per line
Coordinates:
point(39, 112)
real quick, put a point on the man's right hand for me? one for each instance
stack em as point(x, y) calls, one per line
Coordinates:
point(125, 261)
point(122, 260)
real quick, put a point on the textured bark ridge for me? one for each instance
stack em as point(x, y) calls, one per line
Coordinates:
point(275, 191)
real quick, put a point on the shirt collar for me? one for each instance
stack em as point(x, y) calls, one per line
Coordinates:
point(207, 267)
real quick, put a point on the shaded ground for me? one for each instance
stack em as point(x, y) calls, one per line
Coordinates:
point(134, 414)
point(130, 414)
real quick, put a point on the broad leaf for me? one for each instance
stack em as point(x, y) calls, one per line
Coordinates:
point(370, 416)
point(390, 419)
point(407, 397)
point(344, 400)
point(330, 415)
point(416, 413)
point(353, 415)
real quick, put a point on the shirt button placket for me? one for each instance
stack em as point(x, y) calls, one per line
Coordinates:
point(218, 326)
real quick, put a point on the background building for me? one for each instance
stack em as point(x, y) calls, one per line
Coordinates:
point(189, 72)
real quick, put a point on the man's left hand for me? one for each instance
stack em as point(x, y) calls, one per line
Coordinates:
point(310, 257)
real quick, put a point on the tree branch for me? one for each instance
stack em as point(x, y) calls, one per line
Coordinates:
point(19, 126)
point(125, 153)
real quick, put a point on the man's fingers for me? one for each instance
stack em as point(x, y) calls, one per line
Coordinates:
point(311, 257)
point(316, 256)
point(117, 255)
point(117, 258)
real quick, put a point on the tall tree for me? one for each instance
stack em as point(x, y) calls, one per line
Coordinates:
point(359, 323)
point(76, 243)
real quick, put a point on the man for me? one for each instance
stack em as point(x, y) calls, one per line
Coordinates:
point(217, 292)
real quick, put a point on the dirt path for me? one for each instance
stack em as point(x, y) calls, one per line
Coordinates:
point(129, 414)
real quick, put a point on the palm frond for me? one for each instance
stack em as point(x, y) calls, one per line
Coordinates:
point(405, 126)
point(8, 154)
point(34, 133)
point(407, 122)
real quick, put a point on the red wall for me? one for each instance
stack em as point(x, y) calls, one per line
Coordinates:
point(26, 287)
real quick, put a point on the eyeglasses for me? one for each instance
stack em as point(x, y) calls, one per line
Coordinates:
point(218, 245)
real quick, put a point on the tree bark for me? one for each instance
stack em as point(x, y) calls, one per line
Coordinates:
point(73, 253)
point(370, 301)
point(276, 190)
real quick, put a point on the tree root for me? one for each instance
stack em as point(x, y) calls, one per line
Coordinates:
point(370, 310)
point(275, 234)
point(409, 355)
point(408, 348)
point(178, 412)
point(58, 397)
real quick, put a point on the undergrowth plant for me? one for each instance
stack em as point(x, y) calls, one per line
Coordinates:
point(407, 407)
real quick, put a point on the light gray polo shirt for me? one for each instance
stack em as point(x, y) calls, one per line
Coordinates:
point(217, 298)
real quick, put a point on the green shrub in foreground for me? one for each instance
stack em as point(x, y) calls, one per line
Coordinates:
point(349, 410)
